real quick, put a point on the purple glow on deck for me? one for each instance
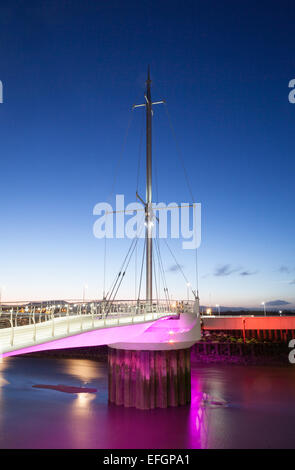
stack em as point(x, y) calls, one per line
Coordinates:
point(97, 337)
point(155, 332)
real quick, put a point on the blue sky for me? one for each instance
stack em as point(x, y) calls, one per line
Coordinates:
point(70, 73)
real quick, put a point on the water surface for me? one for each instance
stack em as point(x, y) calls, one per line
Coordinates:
point(232, 407)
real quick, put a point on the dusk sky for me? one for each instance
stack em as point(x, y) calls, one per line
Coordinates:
point(71, 72)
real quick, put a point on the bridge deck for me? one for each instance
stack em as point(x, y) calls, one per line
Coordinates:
point(21, 337)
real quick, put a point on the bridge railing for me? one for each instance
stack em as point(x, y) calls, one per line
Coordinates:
point(57, 326)
point(27, 314)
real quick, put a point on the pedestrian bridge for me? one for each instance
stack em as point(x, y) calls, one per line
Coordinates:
point(68, 327)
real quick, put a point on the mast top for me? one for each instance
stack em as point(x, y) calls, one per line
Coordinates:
point(148, 82)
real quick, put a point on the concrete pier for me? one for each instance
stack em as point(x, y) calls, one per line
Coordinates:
point(149, 379)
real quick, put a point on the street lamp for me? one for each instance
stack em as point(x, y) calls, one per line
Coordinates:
point(264, 307)
point(84, 289)
point(218, 306)
point(188, 286)
point(1, 293)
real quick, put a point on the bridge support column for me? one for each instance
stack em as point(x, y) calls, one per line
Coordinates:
point(148, 379)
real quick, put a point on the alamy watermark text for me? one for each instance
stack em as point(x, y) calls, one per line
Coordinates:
point(184, 221)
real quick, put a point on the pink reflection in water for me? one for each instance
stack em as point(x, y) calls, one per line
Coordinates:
point(232, 407)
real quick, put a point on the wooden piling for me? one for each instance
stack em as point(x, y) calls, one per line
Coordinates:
point(149, 379)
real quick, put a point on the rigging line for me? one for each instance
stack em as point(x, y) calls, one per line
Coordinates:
point(135, 272)
point(127, 260)
point(112, 190)
point(122, 277)
point(197, 267)
point(110, 293)
point(162, 271)
point(163, 276)
point(157, 296)
point(159, 275)
point(141, 271)
point(139, 152)
point(179, 153)
point(117, 280)
point(112, 286)
point(117, 288)
point(104, 266)
point(156, 178)
point(125, 270)
point(120, 271)
point(121, 155)
point(197, 273)
point(165, 286)
point(178, 265)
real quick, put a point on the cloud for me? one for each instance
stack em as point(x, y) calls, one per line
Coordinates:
point(225, 270)
point(205, 275)
point(277, 303)
point(292, 282)
point(175, 268)
point(285, 269)
point(248, 273)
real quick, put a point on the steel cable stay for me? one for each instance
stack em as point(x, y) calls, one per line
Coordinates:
point(176, 262)
point(181, 159)
point(123, 275)
point(118, 280)
point(139, 153)
point(180, 269)
point(125, 269)
point(137, 187)
point(197, 273)
point(113, 285)
point(141, 271)
point(162, 271)
point(179, 153)
point(135, 273)
point(156, 286)
point(112, 191)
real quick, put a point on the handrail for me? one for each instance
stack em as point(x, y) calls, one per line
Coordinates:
point(56, 328)
point(113, 310)
point(12, 332)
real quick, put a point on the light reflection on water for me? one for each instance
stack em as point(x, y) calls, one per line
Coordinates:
point(232, 407)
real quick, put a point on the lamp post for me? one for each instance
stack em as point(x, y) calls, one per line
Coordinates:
point(188, 286)
point(1, 294)
point(264, 307)
point(85, 286)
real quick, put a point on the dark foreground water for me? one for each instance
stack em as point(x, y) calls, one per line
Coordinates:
point(232, 407)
